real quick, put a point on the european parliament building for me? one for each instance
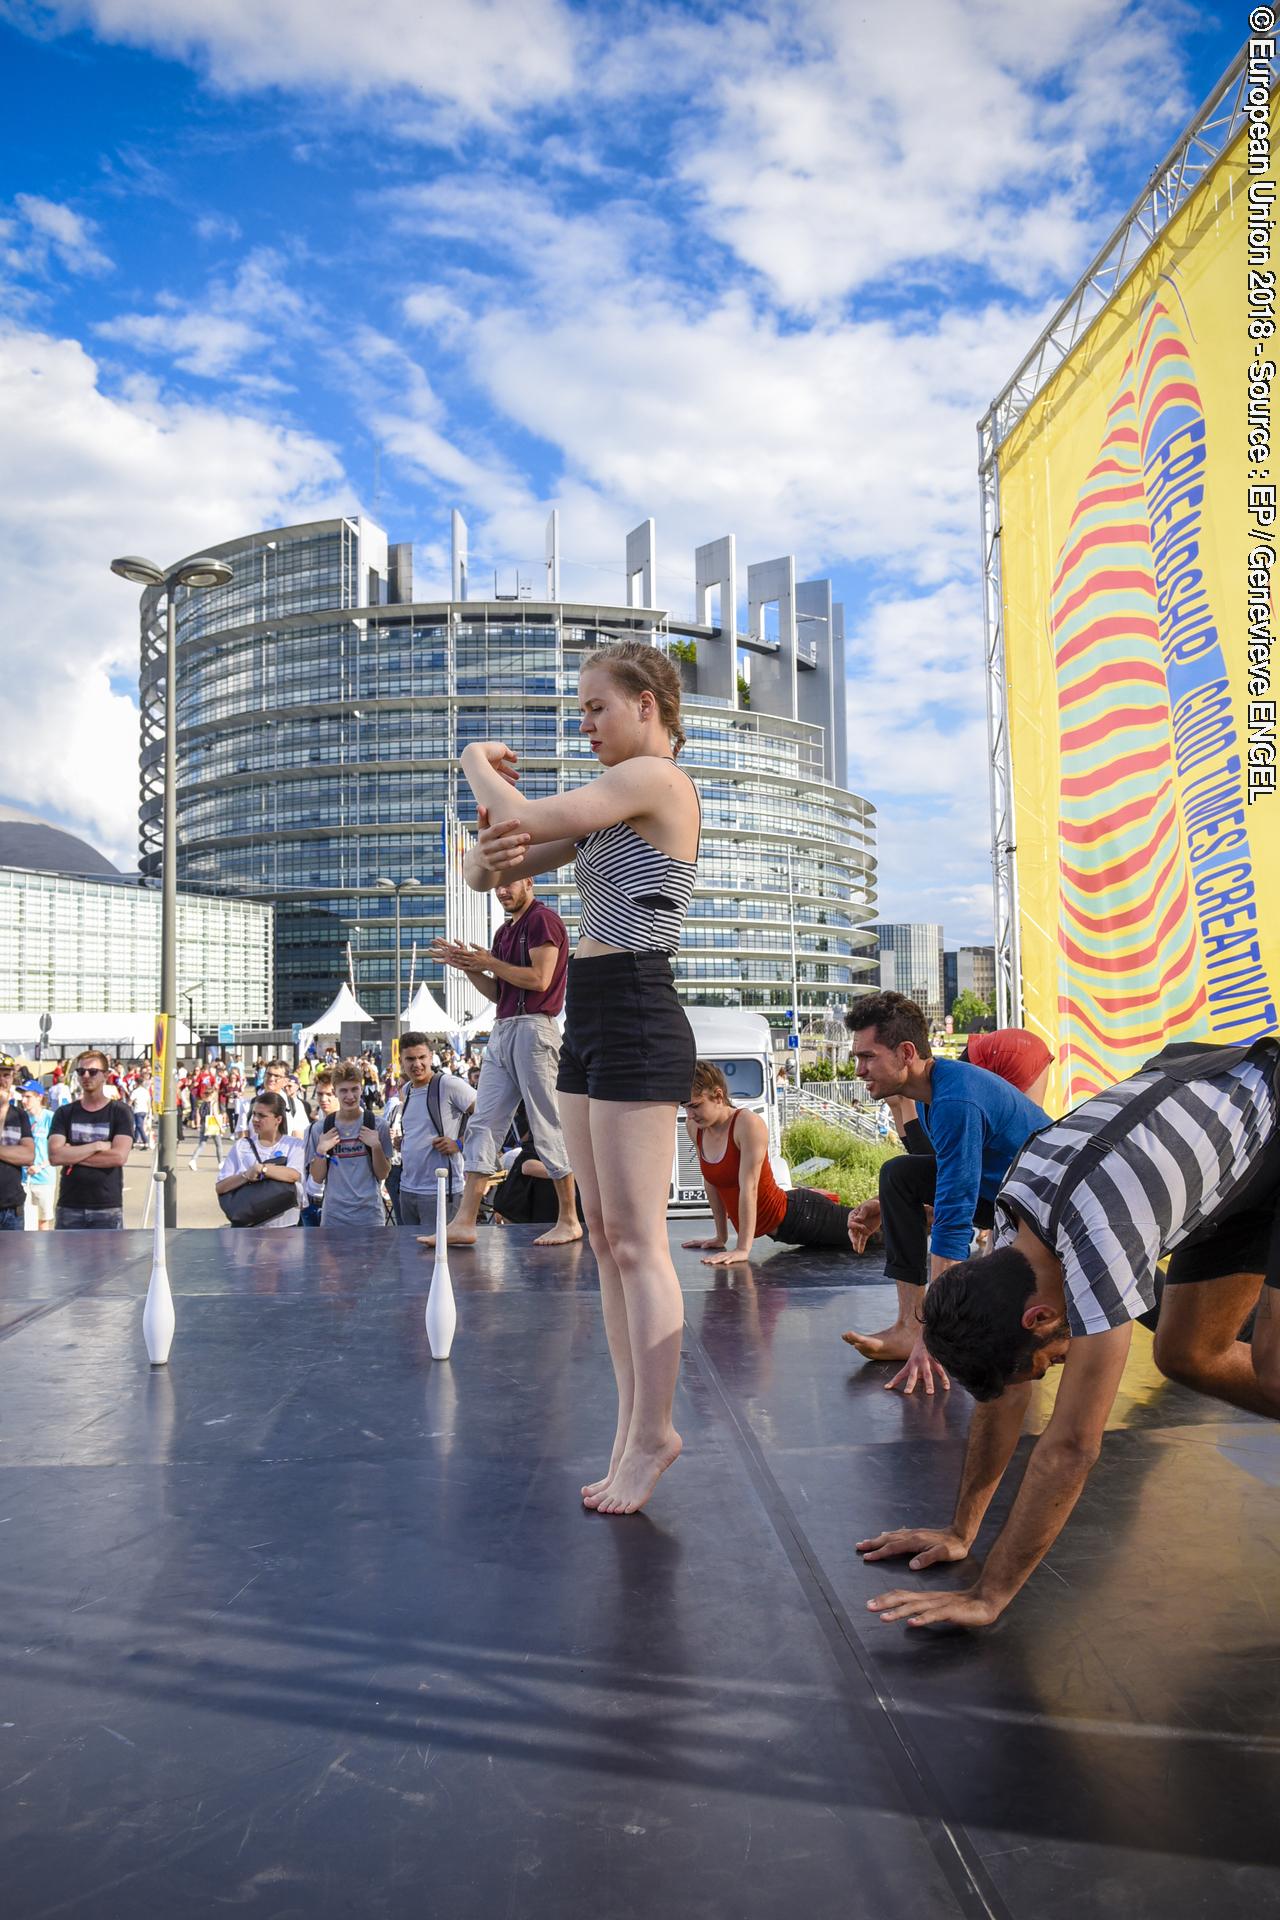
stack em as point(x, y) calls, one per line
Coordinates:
point(321, 710)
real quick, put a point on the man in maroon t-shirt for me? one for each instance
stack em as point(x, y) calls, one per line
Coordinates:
point(525, 973)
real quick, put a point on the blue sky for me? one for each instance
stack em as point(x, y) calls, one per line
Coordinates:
point(744, 268)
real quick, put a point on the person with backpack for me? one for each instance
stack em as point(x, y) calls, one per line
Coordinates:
point(431, 1122)
point(347, 1158)
point(324, 1106)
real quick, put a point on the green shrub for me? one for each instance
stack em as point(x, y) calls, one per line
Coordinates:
point(855, 1174)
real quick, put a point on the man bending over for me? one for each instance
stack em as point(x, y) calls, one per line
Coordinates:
point(1184, 1158)
point(976, 1122)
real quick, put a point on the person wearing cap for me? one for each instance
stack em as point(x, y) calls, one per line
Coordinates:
point(38, 1179)
point(17, 1150)
point(977, 1123)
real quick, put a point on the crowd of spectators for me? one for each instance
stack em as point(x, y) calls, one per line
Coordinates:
point(68, 1130)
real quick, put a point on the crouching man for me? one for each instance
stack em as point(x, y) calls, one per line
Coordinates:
point(1182, 1159)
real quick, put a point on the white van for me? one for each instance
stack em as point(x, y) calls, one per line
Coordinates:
point(741, 1045)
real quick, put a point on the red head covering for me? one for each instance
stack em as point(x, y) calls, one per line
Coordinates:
point(1016, 1055)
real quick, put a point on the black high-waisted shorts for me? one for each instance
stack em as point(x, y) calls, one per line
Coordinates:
point(626, 1035)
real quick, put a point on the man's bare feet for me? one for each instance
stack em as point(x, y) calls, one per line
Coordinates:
point(639, 1472)
point(895, 1343)
point(562, 1234)
point(456, 1237)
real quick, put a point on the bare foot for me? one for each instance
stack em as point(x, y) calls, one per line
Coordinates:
point(561, 1235)
point(895, 1343)
point(594, 1491)
point(455, 1237)
point(639, 1472)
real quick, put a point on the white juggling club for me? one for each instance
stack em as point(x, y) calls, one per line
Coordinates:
point(158, 1316)
point(442, 1313)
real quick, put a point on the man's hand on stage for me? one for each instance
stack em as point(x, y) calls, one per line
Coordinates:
point(731, 1257)
point(922, 1367)
point(970, 1609)
point(863, 1222)
point(926, 1545)
point(704, 1246)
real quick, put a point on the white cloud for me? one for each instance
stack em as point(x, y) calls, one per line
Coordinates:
point(841, 441)
point(477, 55)
point(249, 317)
point(85, 476)
point(918, 747)
point(861, 142)
point(203, 343)
point(50, 229)
point(217, 226)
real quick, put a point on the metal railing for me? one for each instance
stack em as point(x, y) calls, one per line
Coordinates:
point(849, 1114)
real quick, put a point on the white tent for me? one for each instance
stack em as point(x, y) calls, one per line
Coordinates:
point(343, 1010)
point(425, 1014)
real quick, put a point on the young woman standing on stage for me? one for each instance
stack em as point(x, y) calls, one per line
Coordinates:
point(628, 1054)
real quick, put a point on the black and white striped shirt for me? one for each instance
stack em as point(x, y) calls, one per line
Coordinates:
point(632, 894)
point(1112, 1210)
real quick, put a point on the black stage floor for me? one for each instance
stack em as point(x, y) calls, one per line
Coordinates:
point(305, 1624)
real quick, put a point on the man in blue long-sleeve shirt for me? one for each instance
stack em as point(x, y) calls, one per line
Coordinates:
point(976, 1122)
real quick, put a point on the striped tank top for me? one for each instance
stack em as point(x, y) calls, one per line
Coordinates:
point(633, 895)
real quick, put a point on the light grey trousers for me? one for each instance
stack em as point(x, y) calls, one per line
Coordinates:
point(520, 1062)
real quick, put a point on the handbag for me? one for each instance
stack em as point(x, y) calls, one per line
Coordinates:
point(263, 1200)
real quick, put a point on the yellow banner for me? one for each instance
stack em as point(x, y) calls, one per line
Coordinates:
point(1137, 549)
point(159, 1057)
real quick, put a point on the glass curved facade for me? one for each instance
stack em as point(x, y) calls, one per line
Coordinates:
point(319, 729)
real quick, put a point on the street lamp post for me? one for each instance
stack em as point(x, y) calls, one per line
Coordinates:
point(403, 886)
point(202, 572)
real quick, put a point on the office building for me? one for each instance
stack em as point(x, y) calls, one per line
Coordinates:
point(322, 709)
point(78, 938)
point(976, 973)
point(910, 954)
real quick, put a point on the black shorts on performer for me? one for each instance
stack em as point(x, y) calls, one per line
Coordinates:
point(626, 1035)
point(1241, 1237)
